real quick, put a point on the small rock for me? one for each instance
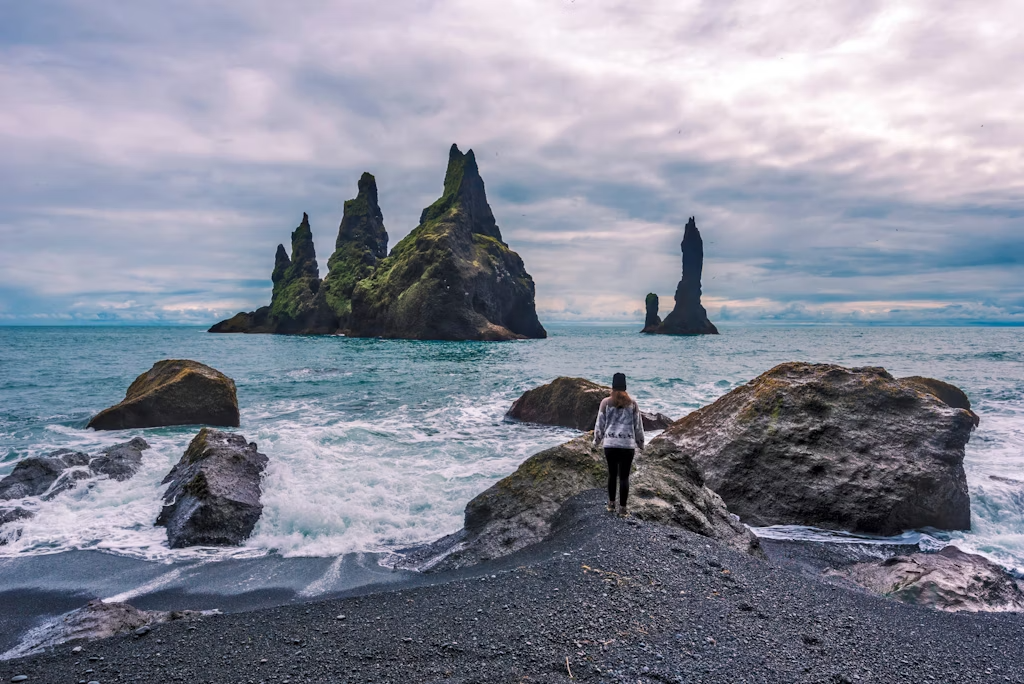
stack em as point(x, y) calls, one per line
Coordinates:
point(76, 649)
point(340, 617)
point(143, 631)
point(19, 678)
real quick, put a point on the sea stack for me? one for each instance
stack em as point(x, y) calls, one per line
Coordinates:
point(652, 320)
point(362, 242)
point(452, 277)
point(688, 317)
point(295, 308)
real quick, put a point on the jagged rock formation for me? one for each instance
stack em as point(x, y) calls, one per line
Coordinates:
point(572, 403)
point(949, 580)
point(294, 307)
point(57, 472)
point(451, 278)
point(174, 392)
point(688, 317)
point(652, 320)
point(842, 448)
point(214, 493)
point(520, 509)
point(362, 242)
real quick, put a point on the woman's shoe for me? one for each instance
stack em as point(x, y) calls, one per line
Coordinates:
point(610, 507)
point(623, 512)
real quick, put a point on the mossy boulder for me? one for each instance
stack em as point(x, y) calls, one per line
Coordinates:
point(842, 448)
point(520, 509)
point(214, 493)
point(174, 392)
point(572, 403)
point(452, 277)
point(950, 395)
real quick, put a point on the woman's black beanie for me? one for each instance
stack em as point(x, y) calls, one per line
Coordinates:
point(619, 382)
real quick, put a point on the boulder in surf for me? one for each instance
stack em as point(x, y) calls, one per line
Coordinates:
point(572, 403)
point(174, 392)
point(214, 493)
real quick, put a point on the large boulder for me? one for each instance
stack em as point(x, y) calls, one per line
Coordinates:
point(520, 509)
point(949, 580)
point(688, 317)
point(33, 476)
point(214, 493)
point(174, 392)
point(572, 403)
point(842, 448)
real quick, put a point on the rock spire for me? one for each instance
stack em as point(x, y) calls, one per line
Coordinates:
point(688, 317)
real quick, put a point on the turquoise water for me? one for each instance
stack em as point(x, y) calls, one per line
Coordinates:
point(376, 444)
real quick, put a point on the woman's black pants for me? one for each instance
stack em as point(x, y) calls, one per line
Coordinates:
point(620, 461)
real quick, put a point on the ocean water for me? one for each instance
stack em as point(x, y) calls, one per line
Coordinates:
point(376, 444)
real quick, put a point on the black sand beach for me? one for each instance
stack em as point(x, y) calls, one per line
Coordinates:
point(603, 600)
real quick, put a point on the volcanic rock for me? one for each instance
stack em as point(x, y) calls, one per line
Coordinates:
point(362, 242)
point(214, 493)
point(688, 317)
point(33, 476)
point(452, 277)
point(98, 620)
point(520, 509)
point(174, 392)
point(652, 320)
point(295, 308)
point(121, 461)
point(572, 403)
point(949, 580)
point(10, 515)
point(951, 395)
point(842, 448)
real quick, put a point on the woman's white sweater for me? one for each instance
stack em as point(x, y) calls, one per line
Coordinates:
point(621, 428)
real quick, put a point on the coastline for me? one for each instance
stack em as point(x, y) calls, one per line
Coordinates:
point(610, 599)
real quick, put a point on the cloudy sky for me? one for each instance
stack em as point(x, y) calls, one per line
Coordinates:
point(845, 161)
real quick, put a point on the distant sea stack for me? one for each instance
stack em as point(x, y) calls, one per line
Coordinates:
point(451, 278)
point(688, 317)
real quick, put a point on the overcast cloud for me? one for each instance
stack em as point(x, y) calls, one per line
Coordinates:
point(845, 161)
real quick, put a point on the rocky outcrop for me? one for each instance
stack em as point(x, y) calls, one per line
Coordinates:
point(652, 320)
point(50, 475)
point(98, 620)
point(362, 242)
point(295, 307)
point(214, 493)
point(174, 392)
point(33, 476)
point(572, 403)
point(949, 580)
point(950, 395)
point(688, 317)
point(452, 277)
point(841, 448)
point(519, 510)
point(669, 489)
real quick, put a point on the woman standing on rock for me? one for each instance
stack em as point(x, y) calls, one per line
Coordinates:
point(621, 429)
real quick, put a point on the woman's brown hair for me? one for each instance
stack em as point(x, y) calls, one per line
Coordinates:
point(620, 399)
